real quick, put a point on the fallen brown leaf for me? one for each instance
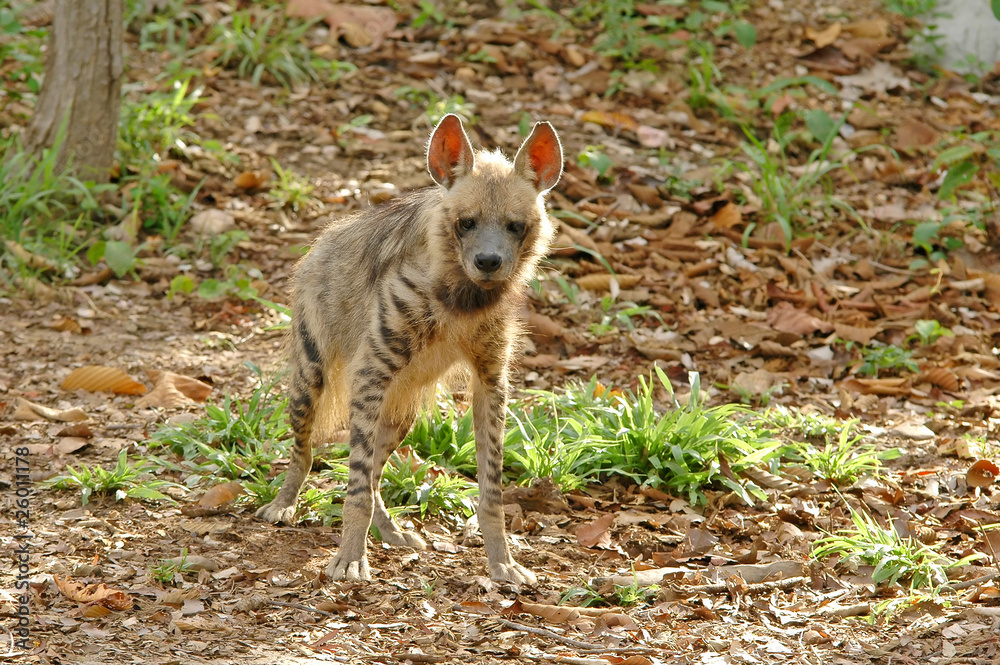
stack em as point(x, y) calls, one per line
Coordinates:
point(982, 474)
point(602, 281)
point(596, 533)
point(915, 134)
point(98, 378)
point(30, 411)
point(825, 36)
point(113, 599)
point(611, 119)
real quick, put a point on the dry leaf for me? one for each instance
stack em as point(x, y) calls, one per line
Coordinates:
point(98, 378)
point(543, 328)
point(727, 216)
point(361, 26)
point(915, 134)
point(172, 390)
point(113, 599)
point(193, 389)
point(873, 28)
point(783, 317)
point(601, 281)
point(611, 119)
point(865, 47)
point(942, 377)
point(596, 533)
point(251, 179)
point(890, 386)
point(982, 474)
point(220, 494)
point(30, 260)
point(856, 334)
point(824, 37)
point(30, 411)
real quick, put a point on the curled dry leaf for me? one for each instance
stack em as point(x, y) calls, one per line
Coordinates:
point(942, 377)
point(596, 533)
point(889, 386)
point(602, 281)
point(171, 390)
point(97, 378)
point(220, 494)
point(982, 474)
point(30, 411)
point(113, 599)
point(824, 37)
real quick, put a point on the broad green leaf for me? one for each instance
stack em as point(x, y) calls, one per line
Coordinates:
point(119, 257)
point(96, 252)
point(746, 34)
point(820, 124)
point(955, 153)
point(924, 233)
point(995, 7)
point(182, 284)
point(958, 175)
point(211, 289)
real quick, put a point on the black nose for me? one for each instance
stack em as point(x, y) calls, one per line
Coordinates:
point(488, 262)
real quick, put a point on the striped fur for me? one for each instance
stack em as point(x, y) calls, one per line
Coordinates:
point(391, 299)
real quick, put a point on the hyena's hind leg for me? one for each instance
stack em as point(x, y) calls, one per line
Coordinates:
point(389, 531)
point(304, 393)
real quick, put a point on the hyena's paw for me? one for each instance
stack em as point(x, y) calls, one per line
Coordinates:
point(277, 513)
point(512, 572)
point(401, 538)
point(352, 571)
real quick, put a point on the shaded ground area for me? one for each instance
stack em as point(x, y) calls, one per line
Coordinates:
point(653, 189)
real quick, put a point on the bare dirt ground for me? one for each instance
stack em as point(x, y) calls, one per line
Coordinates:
point(755, 321)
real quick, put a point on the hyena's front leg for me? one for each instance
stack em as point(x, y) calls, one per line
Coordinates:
point(489, 399)
point(367, 432)
point(305, 389)
point(389, 531)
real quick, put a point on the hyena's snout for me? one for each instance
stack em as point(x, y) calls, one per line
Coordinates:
point(488, 262)
point(490, 254)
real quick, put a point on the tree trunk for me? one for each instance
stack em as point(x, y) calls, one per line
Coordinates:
point(82, 87)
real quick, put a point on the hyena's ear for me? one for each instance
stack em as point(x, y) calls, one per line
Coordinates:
point(540, 158)
point(449, 153)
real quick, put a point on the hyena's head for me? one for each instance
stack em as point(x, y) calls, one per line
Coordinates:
point(493, 223)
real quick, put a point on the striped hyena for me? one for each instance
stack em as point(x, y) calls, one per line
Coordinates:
point(389, 299)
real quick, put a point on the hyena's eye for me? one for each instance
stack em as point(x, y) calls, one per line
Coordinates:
point(466, 223)
point(517, 228)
